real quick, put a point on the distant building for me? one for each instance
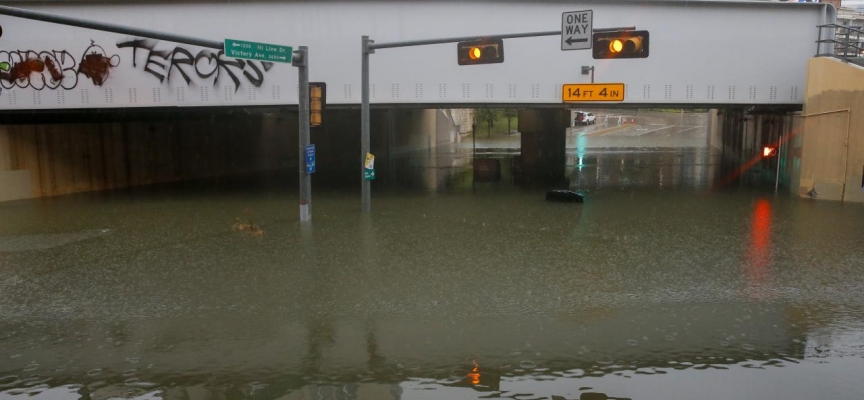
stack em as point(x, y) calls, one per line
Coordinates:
point(853, 19)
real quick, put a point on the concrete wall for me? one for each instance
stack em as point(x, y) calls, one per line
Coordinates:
point(832, 147)
point(413, 129)
point(39, 160)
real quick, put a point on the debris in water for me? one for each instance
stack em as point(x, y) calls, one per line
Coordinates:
point(248, 225)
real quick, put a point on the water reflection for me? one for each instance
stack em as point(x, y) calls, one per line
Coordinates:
point(641, 292)
point(691, 168)
point(760, 239)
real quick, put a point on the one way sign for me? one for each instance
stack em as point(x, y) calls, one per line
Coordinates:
point(576, 30)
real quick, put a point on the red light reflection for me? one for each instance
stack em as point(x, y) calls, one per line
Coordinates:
point(760, 241)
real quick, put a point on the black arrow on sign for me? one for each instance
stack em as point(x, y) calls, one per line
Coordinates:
point(570, 41)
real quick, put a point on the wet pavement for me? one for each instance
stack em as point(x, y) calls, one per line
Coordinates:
point(455, 291)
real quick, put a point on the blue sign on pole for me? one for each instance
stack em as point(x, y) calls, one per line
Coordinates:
point(310, 159)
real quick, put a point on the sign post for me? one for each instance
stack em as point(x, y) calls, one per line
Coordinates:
point(301, 61)
point(300, 58)
point(576, 30)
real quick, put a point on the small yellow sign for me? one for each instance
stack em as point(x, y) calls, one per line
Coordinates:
point(578, 92)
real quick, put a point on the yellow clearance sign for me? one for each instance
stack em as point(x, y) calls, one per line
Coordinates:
point(578, 92)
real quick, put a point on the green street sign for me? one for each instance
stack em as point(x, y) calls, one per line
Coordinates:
point(258, 51)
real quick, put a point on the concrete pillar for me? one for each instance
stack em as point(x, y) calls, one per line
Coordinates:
point(714, 137)
point(543, 146)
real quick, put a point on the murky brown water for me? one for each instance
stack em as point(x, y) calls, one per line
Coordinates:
point(646, 291)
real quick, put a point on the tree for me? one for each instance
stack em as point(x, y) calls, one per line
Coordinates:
point(510, 113)
point(487, 115)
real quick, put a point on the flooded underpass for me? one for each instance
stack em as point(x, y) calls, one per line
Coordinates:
point(663, 284)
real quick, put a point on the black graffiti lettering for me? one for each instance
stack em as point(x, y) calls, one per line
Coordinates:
point(224, 64)
point(151, 60)
point(256, 80)
point(209, 57)
point(147, 44)
point(206, 64)
point(178, 61)
point(66, 63)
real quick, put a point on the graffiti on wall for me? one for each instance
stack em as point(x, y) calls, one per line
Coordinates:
point(54, 69)
point(59, 69)
point(96, 64)
point(204, 66)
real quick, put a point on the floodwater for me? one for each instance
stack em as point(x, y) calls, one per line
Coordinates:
point(645, 291)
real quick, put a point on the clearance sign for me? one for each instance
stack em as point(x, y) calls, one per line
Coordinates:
point(592, 92)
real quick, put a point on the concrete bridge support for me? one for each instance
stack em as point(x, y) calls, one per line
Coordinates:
point(543, 156)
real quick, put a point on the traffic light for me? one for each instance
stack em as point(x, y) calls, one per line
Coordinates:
point(484, 51)
point(620, 44)
point(317, 100)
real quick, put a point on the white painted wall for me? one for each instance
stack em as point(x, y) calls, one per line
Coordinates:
point(701, 52)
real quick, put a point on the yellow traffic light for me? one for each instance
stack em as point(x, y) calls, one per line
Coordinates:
point(317, 100)
point(484, 51)
point(620, 44)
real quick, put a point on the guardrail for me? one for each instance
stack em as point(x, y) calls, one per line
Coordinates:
point(847, 41)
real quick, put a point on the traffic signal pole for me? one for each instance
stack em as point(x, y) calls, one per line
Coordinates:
point(303, 116)
point(369, 46)
point(366, 188)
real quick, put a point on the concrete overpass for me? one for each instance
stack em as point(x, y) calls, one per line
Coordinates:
point(702, 52)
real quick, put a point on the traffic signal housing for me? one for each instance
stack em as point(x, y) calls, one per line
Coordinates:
point(620, 44)
point(483, 51)
point(317, 101)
